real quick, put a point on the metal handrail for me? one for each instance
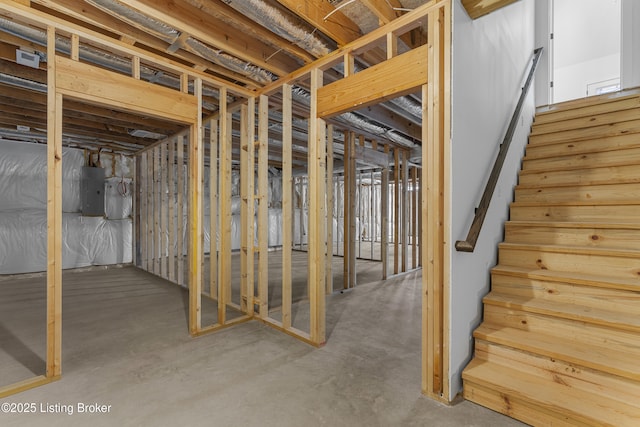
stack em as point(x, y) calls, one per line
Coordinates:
point(469, 244)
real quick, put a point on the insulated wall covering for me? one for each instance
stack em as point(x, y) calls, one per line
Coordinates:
point(23, 215)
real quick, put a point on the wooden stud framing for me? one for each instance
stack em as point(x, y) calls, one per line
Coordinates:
point(247, 181)
point(157, 207)
point(392, 45)
point(213, 208)
point(164, 208)
point(224, 255)
point(419, 207)
point(68, 77)
point(317, 214)
point(135, 67)
point(330, 201)
point(93, 84)
point(196, 174)
point(404, 224)
point(375, 84)
point(287, 207)
point(396, 211)
point(349, 260)
point(263, 206)
point(180, 206)
point(54, 215)
point(435, 152)
point(143, 224)
point(414, 214)
point(171, 175)
point(150, 228)
point(384, 202)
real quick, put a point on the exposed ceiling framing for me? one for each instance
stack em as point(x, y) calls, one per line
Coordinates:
point(246, 42)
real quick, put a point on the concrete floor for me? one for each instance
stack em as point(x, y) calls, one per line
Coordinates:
point(125, 344)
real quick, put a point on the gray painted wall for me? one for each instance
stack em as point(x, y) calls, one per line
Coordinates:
point(630, 67)
point(489, 61)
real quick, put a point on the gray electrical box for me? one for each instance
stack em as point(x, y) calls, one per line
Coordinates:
point(92, 191)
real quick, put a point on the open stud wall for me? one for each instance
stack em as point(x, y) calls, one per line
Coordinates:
point(171, 205)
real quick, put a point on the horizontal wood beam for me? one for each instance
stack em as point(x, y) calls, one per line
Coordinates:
point(337, 26)
point(398, 76)
point(478, 8)
point(88, 83)
point(371, 157)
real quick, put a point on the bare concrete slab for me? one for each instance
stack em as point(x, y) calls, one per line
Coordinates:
point(126, 351)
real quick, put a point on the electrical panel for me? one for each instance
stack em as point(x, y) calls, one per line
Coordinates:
point(92, 191)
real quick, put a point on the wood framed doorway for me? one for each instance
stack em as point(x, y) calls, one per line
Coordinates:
point(429, 66)
point(70, 78)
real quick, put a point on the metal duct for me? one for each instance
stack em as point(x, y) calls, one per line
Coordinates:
point(22, 83)
point(270, 18)
point(228, 61)
point(136, 18)
point(96, 57)
point(352, 119)
point(170, 35)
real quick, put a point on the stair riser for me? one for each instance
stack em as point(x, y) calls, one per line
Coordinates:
point(620, 300)
point(583, 237)
point(605, 340)
point(597, 145)
point(587, 133)
point(586, 122)
point(583, 161)
point(598, 265)
point(520, 409)
point(587, 111)
point(572, 376)
point(592, 176)
point(618, 213)
point(586, 193)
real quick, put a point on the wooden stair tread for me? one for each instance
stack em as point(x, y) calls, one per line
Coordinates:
point(570, 224)
point(533, 203)
point(617, 319)
point(538, 401)
point(562, 115)
point(546, 150)
point(614, 172)
point(588, 354)
point(576, 250)
point(587, 121)
point(583, 134)
point(568, 277)
point(586, 102)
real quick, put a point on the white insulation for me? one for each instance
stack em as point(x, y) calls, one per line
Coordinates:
point(23, 215)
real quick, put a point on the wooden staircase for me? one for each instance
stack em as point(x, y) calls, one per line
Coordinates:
point(560, 341)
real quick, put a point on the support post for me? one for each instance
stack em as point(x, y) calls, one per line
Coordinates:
point(196, 174)
point(317, 214)
point(384, 203)
point(54, 215)
point(263, 206)
point(247, 215)
point(287, 208)
point(330, 201)
point(213, 208)
point(405, 209)
point(172, 211)
point(246, 174)
point(224, 256)
point(396, 211)
point(435, 153)
point(180, 208)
